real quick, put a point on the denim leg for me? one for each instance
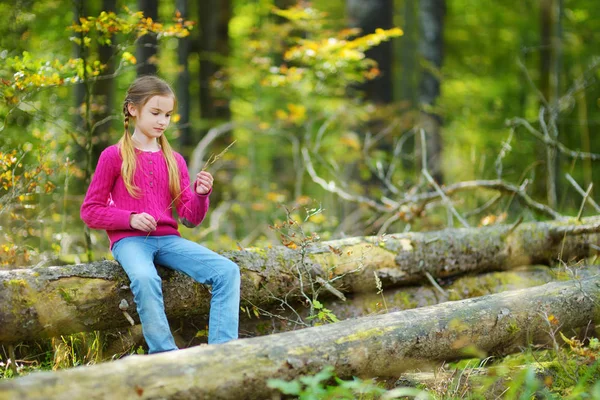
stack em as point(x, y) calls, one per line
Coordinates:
point(207, 267)
point(136, 256)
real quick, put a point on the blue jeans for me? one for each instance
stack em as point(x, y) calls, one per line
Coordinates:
point(137, 256)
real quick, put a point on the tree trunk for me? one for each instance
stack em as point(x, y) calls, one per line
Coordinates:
point(545, 48)
point(368, 16)
point(147, 45)
point(104, 93)
point(183, 83)
point(50, 301)
point(78, 52)
point(409, 297)
point(383, 346)
point(214, 47)
point(431, 47)
point(408, 59)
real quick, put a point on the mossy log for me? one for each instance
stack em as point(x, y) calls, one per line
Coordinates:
point(384, 346)
point(50, 301)
point(409, 297)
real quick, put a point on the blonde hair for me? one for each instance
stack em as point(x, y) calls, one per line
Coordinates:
point(138, 94)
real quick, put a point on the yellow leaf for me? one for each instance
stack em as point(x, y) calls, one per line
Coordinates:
point(350, 140)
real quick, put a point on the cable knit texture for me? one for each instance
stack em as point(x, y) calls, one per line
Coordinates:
point(108, 205)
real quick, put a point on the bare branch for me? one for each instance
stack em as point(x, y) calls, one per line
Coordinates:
point(561, 147)
point(581, 192)
point(432, 181)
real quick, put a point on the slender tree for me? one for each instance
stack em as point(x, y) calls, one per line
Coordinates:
point(214, 16)
point(431, 49)
point(104, 92)
point(368, 16)
point(183, 81)
point(78, 52)
point(147, 44)
point(408, 45)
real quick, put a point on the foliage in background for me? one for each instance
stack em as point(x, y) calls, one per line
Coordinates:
point(29, 81)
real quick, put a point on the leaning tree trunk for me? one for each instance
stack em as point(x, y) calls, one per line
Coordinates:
point(50, 301)
point(384, 346)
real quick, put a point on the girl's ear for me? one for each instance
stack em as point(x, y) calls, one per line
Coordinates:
point(132, 109)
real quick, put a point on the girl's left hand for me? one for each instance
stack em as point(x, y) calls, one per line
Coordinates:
point(204, 182)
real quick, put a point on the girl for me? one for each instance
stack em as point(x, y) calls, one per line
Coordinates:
point(136, 184)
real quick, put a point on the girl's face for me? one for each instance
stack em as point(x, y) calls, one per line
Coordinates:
point(153, 118)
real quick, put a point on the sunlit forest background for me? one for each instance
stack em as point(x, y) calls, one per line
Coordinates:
point(352, 117)
point(325, 120)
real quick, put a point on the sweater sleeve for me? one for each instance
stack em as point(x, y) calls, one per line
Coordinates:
point(192, 207)
point(97, 211)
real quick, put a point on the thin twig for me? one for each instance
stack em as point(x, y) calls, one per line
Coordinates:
point(213, 159)
point(585, 197)
point(330, 288)
point(446, 199)
point(210, 161)
point(435, 284)
point(549, 141)
point(514, 226)
point(581, 192)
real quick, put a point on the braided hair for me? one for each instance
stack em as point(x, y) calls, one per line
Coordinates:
point(138, 94)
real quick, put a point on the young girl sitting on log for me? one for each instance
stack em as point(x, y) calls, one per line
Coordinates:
point(136, 185)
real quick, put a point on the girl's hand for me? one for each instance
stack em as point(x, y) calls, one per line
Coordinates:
point(204, 182)
point(142, 222)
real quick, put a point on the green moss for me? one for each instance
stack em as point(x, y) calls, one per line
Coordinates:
point(65, 295)
point(261, 251)
point(404, 300)
point(16, 283)
point(362, 335)
point(301, 351)
point(513, 328)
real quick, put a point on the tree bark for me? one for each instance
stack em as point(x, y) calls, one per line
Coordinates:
point(50, 301)
point(214, 47)
point(78, 52)
point(383, 346)
point(409, 297)
point(104, 93)
point(147, 45)
point(183, 82)
point(431, 47)
point(369, 16)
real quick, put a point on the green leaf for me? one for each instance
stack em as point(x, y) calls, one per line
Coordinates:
point(285, 387)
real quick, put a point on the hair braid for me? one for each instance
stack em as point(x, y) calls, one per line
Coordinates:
point(126, 113)
point(138, 94)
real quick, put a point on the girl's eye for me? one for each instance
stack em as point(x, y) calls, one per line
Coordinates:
point(168, 115)
point(154, 113)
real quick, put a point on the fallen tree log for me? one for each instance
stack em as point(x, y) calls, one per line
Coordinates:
point(409, 297)
point(50, 301)
point(384, 346)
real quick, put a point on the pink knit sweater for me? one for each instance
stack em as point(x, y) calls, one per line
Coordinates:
point(108, 205)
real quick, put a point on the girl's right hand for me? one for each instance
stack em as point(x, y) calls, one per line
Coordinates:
point(142, 222)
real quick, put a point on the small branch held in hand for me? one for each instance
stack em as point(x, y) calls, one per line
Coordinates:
point(213, 159)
